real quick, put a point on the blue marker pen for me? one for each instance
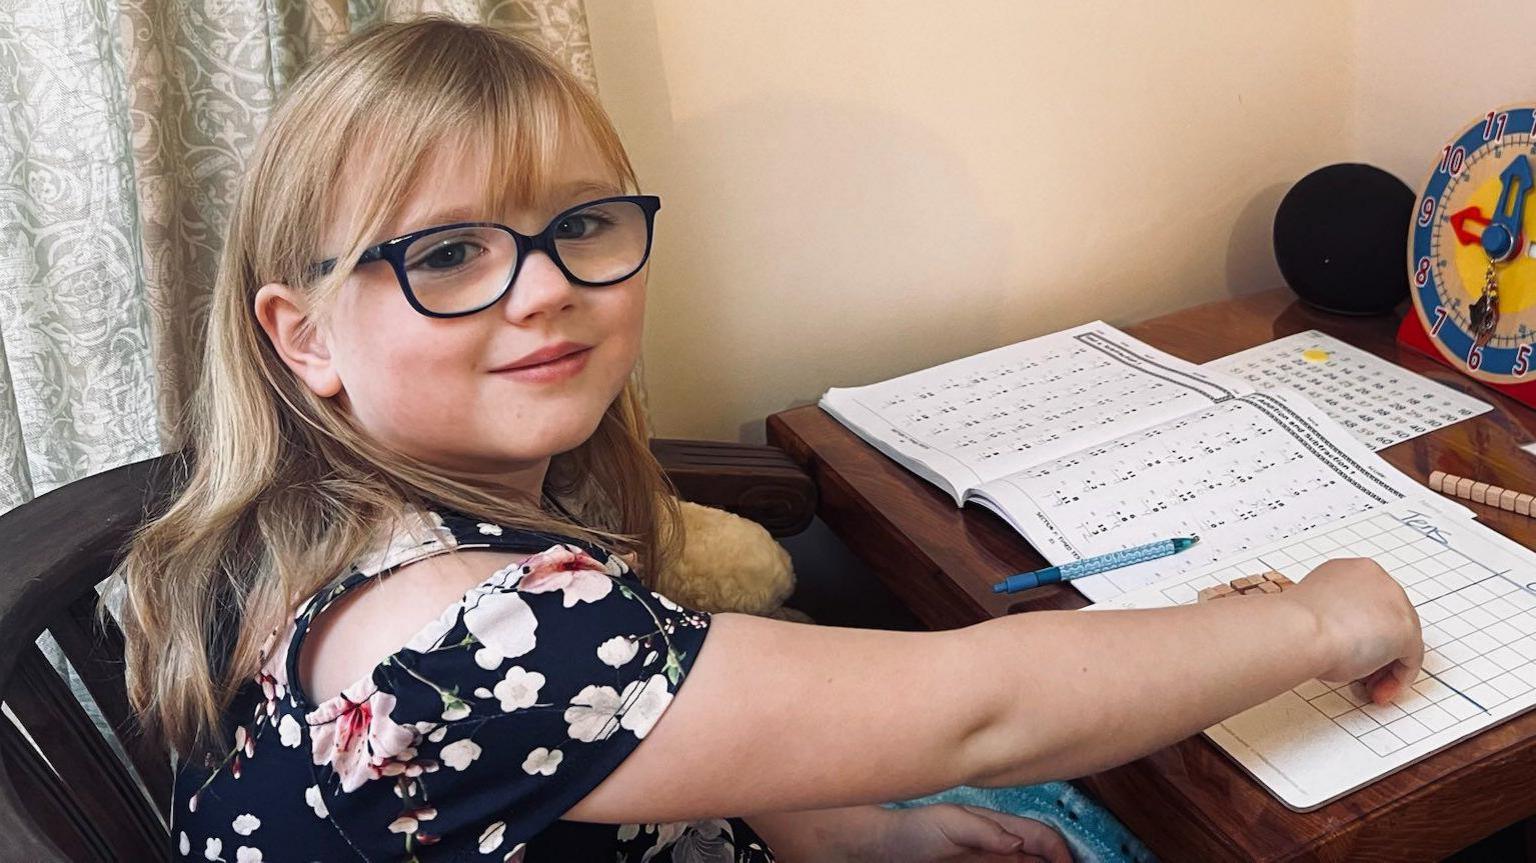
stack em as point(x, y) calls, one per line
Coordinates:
point(1094, 565)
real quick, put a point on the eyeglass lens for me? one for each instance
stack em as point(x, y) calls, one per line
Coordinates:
point(459, 269)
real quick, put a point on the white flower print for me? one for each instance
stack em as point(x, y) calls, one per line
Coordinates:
point(460, 753)
point(516, 854)
point(518, 689)
point(454, 709)
point(618, 650)
point(628, 832)
point(288, 731)
point(542, 761)
point(245, 854)
point(183, 844)
point(591, 713)
point(214, 849)
point(489, 529)
point(246, 824)
point(488, 659)
point(315, 801)
point(502, 622)
point(646, 706)
point(490, 837)
point(668, 604)
point(496, 616)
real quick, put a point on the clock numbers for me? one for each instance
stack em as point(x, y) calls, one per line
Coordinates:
point(1440, 316)
point(1477, 316)
point(1451, 159)
point(1493, 124)
point(1426, 212)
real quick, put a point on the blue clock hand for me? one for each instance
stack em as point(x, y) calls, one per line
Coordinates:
point(1500, 242)
point(1508, 217)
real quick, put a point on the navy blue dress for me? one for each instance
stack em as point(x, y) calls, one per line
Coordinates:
point(471, 741)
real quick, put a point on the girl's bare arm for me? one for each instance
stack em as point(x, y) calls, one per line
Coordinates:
point(778, 717)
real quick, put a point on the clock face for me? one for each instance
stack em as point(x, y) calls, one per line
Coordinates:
point(1472, 248)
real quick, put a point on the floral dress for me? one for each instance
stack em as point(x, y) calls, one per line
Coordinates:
point(473, 739)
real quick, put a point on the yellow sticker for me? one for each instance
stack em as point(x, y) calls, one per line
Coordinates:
point(1315, 355)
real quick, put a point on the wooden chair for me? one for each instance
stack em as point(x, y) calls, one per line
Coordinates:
point(64, 793)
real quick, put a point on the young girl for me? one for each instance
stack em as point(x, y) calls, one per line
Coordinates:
point(399, 610)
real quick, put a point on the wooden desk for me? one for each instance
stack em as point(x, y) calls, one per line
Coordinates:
point(1188, 802)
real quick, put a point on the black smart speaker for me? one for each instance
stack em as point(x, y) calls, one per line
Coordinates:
point(1341, 239)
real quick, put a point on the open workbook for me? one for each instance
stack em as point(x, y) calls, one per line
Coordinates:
point(1089, 441)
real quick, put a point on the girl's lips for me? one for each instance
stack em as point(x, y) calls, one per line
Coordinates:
point(555, 370)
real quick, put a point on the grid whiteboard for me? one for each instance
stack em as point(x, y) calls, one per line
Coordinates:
point(1475, 592)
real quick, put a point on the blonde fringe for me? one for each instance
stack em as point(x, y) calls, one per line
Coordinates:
point(281, 491)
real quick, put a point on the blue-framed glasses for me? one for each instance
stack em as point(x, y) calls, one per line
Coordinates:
point(460, 269)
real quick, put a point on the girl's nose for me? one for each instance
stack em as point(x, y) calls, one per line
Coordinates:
point(540, 289)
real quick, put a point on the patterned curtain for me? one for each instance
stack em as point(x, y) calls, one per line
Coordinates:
point(124, 127)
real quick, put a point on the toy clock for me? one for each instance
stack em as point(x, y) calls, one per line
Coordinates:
point(1472, 255)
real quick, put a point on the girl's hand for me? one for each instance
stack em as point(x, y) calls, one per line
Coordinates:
point(946, 832)
point(1370, 630)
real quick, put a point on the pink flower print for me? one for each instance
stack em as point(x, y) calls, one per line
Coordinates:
point(576, 573)
point(354, 734)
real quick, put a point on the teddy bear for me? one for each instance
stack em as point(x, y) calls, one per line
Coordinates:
point(729, 563)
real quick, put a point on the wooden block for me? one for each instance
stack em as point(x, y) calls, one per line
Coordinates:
point(1479, 489)
point(1523, 504)
point(1215, 592)
point(1269, 587)
point(1464, 488)
point(1281, 580)
point(1247, 581)
point(1436, 480)
point(1507, 500)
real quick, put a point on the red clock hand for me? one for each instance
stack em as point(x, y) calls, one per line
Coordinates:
point(1464, 236)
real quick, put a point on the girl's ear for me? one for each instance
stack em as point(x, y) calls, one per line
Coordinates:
point(302, 347)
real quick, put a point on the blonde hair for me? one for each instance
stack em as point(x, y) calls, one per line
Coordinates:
point(283, 491)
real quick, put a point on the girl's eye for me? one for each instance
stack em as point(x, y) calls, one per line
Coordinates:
point(446, 255)
point(581, 226)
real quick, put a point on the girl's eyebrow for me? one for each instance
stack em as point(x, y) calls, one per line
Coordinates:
point(564, 195)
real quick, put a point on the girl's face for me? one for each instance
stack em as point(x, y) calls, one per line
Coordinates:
point(469, 394)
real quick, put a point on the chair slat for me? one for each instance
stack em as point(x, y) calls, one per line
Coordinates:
point(95, 648)
point(99, 783)
point(48, 807)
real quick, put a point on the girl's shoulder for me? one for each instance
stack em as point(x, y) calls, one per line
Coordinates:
point(407, 585)
point(519, 697)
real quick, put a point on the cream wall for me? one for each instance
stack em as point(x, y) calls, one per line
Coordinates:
point(1426, 70)
point(856, 190)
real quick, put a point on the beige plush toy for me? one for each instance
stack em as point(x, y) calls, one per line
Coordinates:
point(729, 563)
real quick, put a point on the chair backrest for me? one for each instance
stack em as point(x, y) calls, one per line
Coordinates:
point(77, 800)
point(64, 792)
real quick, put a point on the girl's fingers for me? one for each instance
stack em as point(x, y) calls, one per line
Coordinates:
point(1039, 839)
point(982, 834)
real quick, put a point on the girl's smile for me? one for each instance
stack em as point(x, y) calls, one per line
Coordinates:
point(548, 365)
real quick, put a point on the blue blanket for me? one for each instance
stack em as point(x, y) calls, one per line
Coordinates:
point(1094, 835)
